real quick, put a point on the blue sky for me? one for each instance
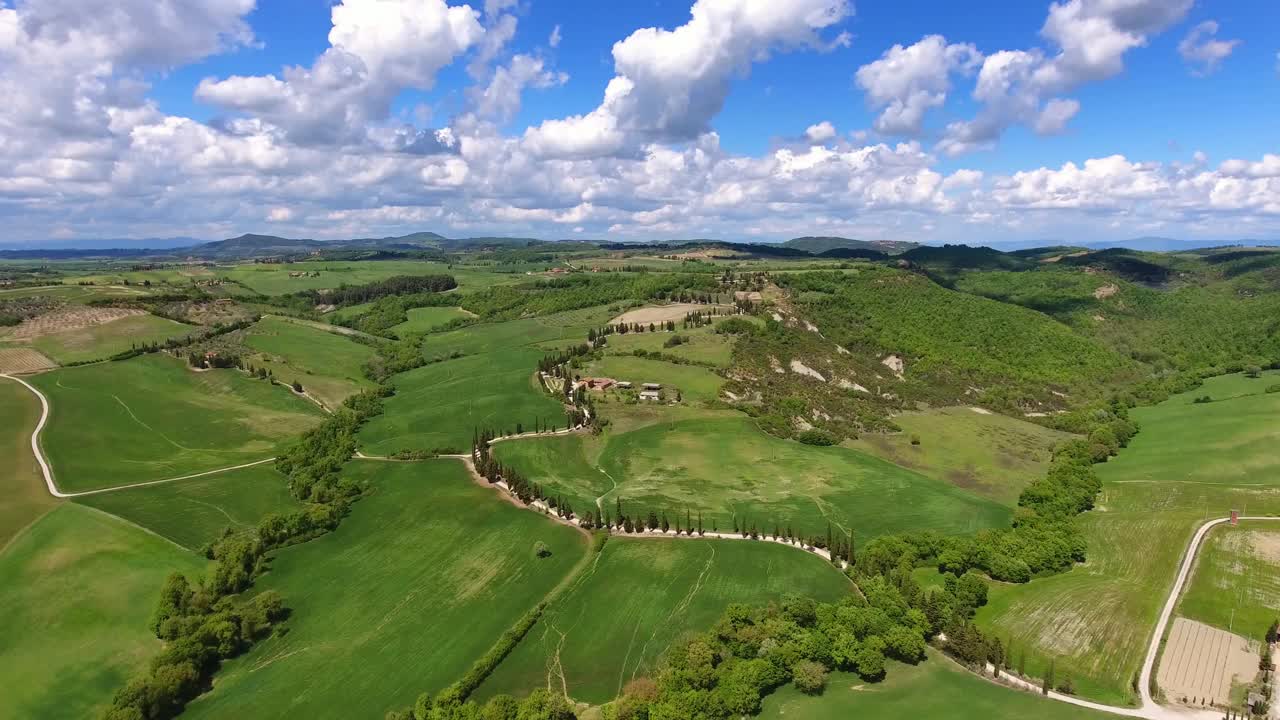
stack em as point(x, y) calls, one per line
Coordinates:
point(469, 119)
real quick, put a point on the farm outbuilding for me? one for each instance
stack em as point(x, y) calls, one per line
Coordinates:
point(652, 386)
point(650, 395)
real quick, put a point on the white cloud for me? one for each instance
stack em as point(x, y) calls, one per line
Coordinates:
point(500, 99)
point(377, 48)
point(1203, 51)
point(279, 214)
point(820, 133)
point(554, 40)
point(1024, 86)
point(907, 81)
point(671, 83)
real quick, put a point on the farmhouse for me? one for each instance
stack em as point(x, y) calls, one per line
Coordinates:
point(599, 384)
point(649, 395)
point(624, 384)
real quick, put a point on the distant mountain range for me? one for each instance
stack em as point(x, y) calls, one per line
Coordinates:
point(257, 246)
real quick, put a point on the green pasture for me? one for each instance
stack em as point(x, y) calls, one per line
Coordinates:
point(78, 294)
point(1236, 582)
point(1190, 463)
point(25, 497)
point(102, 341)
point(181, 276)
point(936, 689)
point(725, 468)
point(329, 365)
point(694, 383)
point(492, 385)
point(151, 418)
point(642, 594)
point(417, 583)
point(194, 512)
point(76, 593)
point(426, 319)
point(993, 455)
point(273, 279)
point(704, 345)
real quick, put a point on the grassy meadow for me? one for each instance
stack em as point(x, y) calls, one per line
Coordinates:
point(936, 689)
point(418, 582)
point(1190, 462)
point(329, 366)
point(426, 319)
point(726, 468)
point(641, 595)
point(491, 385)
point(194, 512)
point(76, 593)
point(21, 484)
point(1236, 581)
point(102, 341)
point(995, 456)
point(273, 279)
point(704, 345)
point(151, 418)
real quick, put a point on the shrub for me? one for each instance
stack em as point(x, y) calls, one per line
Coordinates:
point(809, 677)
point(1203, 399)
point(541, 550)
point(817, 437)
point(1273, 388)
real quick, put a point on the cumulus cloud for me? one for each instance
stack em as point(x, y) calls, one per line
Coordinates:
point(1025, 86)
point(377, 49)
point(1203, 51)
point(671, 83)
point(907, 81)
point(820, 133)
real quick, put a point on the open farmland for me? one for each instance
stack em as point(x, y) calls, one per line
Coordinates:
point(415, 585)
point(992, 455)
point(1201, 664)
point(69, 336)
point(492, 385)
point(731, 472)
point(20, 360)
point(936, 689)
point(21, 485)
point(426, 319)
point(657, 590)
point(151, 418)
point(703, 345)
point(674, 312)
point(1190, 462)
point(1235, 585)
point(194, 512)
point(76, 592)
point(329, 366)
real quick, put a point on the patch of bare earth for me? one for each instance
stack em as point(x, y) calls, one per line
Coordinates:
point(1105, 291)
point(17, 361)
point(1201, 662)
point(663, 313)
point(67, 320)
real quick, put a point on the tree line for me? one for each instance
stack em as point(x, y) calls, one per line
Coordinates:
point(204, 621)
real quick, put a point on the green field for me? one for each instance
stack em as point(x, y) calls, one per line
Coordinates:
point(76, 593)
point(21, 484)
point(103, 341)
point(694, 383)
point(491, 386)
point(726, 468)
point(194, 512)
point(151, 418)
point(936, 689)
point(426, 319)
point(1190, 462)
point(1236, 582)
point(704, 345)
point(992, 455)
point(641, 595)
point(329, 366)
point(416, 584)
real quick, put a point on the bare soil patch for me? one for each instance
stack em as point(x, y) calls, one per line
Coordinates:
point(66, 320)
point(662, 313)
point(1105, 291)
point(16, 361)
point(1201, 662)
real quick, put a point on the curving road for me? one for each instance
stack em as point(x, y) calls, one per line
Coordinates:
point(48, 472)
